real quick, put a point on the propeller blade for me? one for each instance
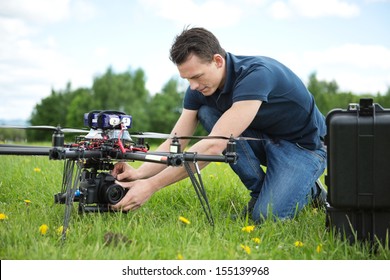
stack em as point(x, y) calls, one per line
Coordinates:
point(46, 127)
point(43, 127)
point(194, 137)
point(74, 130)
point(154, 135)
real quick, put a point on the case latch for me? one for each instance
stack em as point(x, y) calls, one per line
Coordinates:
point(366, 107)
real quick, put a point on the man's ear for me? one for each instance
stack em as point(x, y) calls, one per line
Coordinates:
point(219, 60)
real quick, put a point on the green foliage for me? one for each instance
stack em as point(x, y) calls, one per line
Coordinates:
point(165, 108)
point(124, 92)
point(79, 105)
point(51, 111)
point(154, 231)
point(16, 135)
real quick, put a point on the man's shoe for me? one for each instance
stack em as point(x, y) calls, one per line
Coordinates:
point(246, 211)
point(319, 200)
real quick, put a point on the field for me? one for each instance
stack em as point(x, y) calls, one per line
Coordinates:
point(31, 221)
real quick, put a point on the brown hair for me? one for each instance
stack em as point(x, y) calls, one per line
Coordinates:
point(198, 41)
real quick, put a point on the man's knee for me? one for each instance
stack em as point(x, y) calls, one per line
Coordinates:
point(208, 116)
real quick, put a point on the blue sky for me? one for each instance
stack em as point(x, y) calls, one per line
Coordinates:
point(47, 43)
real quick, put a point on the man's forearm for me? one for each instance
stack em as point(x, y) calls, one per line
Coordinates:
point(171, 174)
point(148, 169)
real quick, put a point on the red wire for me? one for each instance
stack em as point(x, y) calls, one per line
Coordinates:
point(119, 140)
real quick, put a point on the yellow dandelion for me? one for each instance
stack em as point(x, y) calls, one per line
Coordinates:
point(184, 220)
point(298, 243)
point(319, 248)
point(61, 229)
point(246, 248)
point(256, 240)
point(43, 229)
point(27, 201)
point(37, 169)
point(218, 163)
point(248, 229)
point(180, 257)
point(3, 216)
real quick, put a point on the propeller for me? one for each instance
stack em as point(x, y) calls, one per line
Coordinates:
point(47, 127)
point(153, 135)
point(156, 135)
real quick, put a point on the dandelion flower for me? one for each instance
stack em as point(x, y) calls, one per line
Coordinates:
point(37, 169)
point(248, 229)
point(298, 243)
point(184, 220)
point(3, 216)
point(180, 257)
point(61, 229)
point(43, 229)
point(256, 240)
point(246, 248)
point(319, 248)
point(27, 203)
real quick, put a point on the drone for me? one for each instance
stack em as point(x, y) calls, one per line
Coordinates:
point(89, 159)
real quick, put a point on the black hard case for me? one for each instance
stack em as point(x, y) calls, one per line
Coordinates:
point(358, 166)
point(358, 224)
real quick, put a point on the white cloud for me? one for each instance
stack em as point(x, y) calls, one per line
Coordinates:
point(47, 11)
point(30, 68)
point(100, 52)
point(353, 55)
point(37, 11)
point(11, 28)
point(212, 14)
point(280, 10)
point(355, 68)
point(313, 9)
point(83, 10)
point(370, 64)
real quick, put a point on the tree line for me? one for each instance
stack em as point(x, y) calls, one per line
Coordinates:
point(126, 92)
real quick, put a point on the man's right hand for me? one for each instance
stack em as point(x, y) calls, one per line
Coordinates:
point(123, 172)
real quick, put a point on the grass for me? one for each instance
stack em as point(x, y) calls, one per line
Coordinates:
point(154, 232)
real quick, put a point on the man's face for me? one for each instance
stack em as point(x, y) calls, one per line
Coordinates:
point(205, 77)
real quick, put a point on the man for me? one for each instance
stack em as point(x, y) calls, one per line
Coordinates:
point(241, 96)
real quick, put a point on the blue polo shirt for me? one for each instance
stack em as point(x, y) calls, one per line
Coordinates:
point(288, 110)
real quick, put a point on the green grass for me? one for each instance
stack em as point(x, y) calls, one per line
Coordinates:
point(154, 231)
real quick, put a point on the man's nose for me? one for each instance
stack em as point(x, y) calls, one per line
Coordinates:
point(194, 85)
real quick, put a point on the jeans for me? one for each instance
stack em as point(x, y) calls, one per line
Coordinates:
point(287, 183)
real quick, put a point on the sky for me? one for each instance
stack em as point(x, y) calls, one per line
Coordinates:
point(44, 44)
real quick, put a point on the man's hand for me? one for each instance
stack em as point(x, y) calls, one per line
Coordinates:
point(139, 192)
point(124, 172)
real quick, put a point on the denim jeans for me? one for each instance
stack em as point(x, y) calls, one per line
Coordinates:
point(287, 183)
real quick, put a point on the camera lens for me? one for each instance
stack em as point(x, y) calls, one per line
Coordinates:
point(114, 193)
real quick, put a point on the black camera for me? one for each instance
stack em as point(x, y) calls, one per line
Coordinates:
point(100, 190)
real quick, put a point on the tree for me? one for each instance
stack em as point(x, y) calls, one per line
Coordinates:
point(79, 105)
point(51, 111)
point(124, 92)
point(165, 107)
